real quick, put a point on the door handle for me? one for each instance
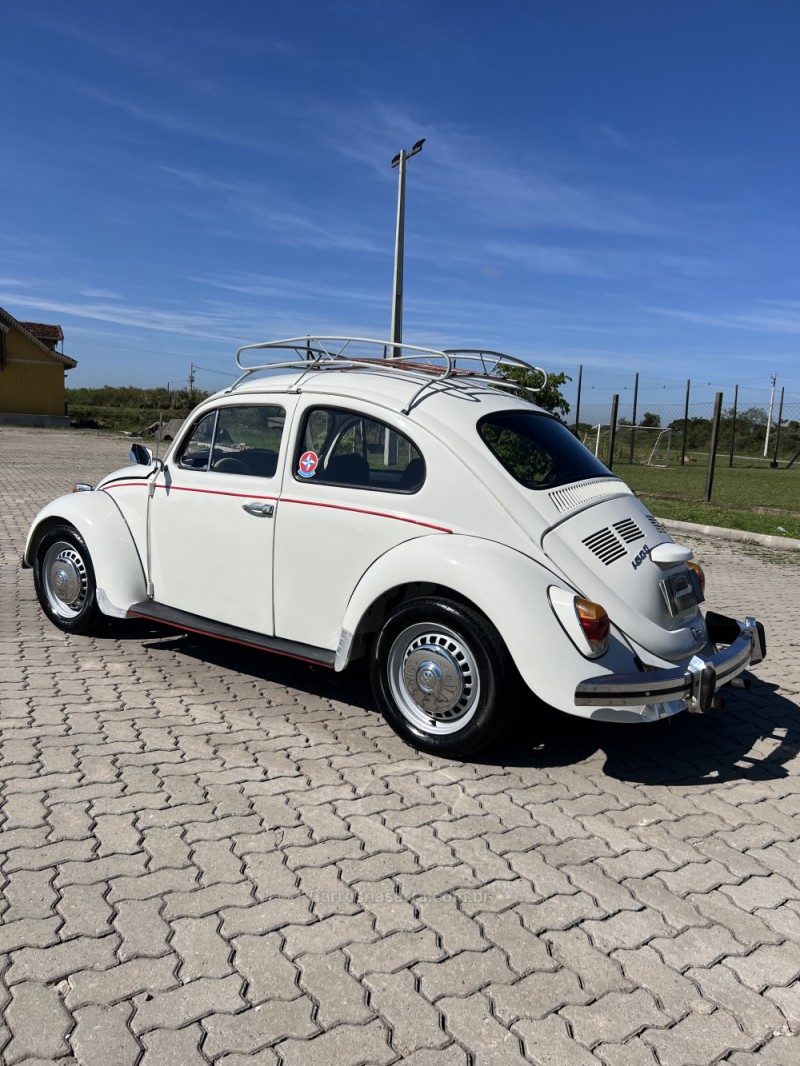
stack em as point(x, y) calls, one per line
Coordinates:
point(260, 510)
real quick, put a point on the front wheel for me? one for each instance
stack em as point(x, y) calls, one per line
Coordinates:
point(64, 579)
point(439, 673)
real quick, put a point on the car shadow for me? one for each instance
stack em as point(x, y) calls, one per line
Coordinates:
point(751, 738)
point(350, 686)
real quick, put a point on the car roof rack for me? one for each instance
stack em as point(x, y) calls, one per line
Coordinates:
point(314, 354)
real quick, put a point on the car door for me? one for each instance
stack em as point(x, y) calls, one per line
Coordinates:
point(349, 495)
point(212, 517)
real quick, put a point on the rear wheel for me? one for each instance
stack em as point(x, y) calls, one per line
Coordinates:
point(64, 579)
point(439, 673)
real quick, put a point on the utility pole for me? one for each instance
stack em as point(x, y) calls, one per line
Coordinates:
point(191, 379)
point(769, 415)
point(397, 292)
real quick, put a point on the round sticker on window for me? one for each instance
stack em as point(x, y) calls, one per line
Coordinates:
point(307, 466)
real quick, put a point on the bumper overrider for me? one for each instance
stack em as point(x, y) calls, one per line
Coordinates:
point(695, 683)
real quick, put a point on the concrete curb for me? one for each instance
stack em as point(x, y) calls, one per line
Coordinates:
point(785, 544)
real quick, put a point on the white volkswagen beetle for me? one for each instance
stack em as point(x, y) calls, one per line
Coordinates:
point(363, 498)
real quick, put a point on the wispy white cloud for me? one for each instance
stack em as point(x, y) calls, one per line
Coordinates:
point(314, 229)
point(480, 173)
point(250, 306)
point(776, 316)
point(169, 120)
point(100, 294)
point(280, 288)
point(599, 262)
point(235, 207)
point(186, 323)
point(606, 134)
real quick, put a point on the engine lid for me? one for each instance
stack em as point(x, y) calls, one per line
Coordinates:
point(619, 555)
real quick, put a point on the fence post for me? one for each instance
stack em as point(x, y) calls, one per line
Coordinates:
point(578, 400)
point(633, 416)
point(733, 425)
point(612, 430)
point(712, 451)
point(685, 423)
point(774, 462)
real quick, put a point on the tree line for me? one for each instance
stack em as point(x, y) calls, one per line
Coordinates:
point(133, 398)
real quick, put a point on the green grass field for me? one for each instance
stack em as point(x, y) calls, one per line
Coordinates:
point(758, 500)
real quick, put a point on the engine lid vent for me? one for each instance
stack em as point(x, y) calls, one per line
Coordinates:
point(628, 530)
point(606, 545)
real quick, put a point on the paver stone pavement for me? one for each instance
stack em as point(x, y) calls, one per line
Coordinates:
point(209, 855)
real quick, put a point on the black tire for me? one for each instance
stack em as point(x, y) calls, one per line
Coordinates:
point(440, 674)
point(64, 579)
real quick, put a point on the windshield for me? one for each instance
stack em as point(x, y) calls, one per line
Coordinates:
point(537, 450)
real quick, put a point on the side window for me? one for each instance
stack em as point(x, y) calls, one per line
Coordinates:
point(197, 449)
point(248, 440)
point(338, 447)
point(236, 440)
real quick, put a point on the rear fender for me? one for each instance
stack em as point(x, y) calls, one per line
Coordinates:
point(118, 568)
point(509, 588)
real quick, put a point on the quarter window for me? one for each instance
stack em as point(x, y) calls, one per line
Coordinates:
point(339, 447)
point(197, 449)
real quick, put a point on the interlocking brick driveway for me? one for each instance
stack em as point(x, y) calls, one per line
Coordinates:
point(210, 855)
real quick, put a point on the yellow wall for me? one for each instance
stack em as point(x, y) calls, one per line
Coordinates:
point(31, 382)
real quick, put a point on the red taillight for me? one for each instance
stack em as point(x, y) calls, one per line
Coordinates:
point(697, 569)
point(594, 623)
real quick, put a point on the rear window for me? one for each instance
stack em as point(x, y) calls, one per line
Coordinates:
point(537, 450)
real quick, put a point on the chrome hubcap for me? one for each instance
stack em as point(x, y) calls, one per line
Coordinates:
point(65, 579)
point(433, 678)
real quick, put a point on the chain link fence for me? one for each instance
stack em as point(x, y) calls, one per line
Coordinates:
point(651, 430)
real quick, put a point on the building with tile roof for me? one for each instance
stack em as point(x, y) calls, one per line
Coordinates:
point(44, 332)
point(32, 373)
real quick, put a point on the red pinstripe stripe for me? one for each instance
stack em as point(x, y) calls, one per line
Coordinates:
point(287, 499)
point(183, 488)
point(364, 510)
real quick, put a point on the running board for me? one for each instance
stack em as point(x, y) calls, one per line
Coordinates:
point(194, 623)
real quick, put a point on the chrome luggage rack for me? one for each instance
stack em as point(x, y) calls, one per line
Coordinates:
point(314, 354)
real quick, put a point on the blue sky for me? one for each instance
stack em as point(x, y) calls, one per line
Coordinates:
point(604, 183)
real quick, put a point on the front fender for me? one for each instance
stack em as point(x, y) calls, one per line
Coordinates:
point(508, 587)
point(118, 568)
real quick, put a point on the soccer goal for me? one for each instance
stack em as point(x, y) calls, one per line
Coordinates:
point(640, 445)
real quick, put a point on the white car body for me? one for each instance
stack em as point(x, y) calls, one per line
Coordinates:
point(286, 561)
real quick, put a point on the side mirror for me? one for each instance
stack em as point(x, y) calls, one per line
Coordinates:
point(141, 455)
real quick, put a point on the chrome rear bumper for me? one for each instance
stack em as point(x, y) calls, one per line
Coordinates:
point(695, 683)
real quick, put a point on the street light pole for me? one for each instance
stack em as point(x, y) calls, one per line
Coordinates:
point(400, 161)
